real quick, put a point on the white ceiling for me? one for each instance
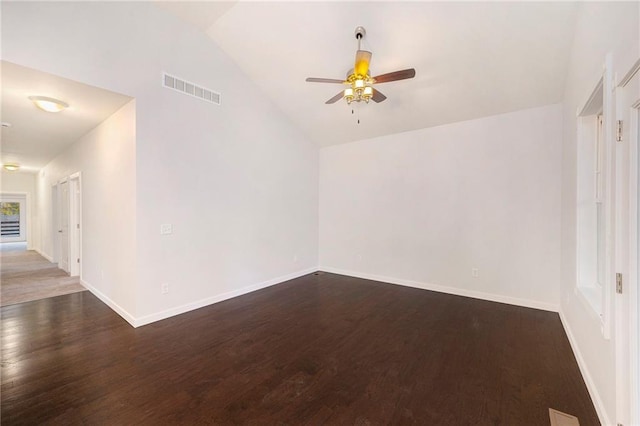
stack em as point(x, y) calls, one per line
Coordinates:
point(36, 137)
point(472, 59)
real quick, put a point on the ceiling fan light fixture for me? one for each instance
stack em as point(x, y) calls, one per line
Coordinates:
point(348, 95)
point(359, 79)
point(11, 167)
point(48, 104)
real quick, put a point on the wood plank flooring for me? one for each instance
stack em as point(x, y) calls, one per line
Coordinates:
point(320, 349)
point(25, 276)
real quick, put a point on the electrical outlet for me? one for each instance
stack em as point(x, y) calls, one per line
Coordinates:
point(474, 272)
point(164, 288)
point(166, 229)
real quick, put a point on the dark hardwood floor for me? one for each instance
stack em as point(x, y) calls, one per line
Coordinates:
point(321, 349)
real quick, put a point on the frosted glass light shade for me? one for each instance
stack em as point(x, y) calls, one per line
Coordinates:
point(48, 104)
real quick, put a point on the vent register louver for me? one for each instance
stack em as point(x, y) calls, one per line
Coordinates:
point(191, 89)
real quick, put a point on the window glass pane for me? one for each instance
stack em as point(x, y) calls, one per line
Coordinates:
point(10, 219)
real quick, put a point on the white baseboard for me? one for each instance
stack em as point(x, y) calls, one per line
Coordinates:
point(110, 303)
point(591, 387)
point(218, 298)
point(43, 254)
point(449, 290)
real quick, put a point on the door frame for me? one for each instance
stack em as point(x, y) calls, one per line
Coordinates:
point(55, 224)
point(628, 233)
point(26, 197)
point(60, 205)
point(75, 224)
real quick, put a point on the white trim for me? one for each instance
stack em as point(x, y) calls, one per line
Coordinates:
point(75, 225)
point(110, 303)
point(25, 234)
point(147, 319)
point(587, 107)
point(588, 306)
point(629, 75)
point(631, 280)
point(591, 387)
point(43, 254)
point(634, 269)
point(527, 303)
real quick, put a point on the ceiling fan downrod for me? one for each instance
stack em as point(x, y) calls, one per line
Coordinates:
point(360, 33)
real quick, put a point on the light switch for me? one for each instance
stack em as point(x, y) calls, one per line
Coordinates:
point(166, 229)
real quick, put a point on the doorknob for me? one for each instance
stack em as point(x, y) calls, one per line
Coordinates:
point(59, 230)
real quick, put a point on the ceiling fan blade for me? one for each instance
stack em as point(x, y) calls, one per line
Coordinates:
point(377, 96)
point(363, 58)
point(335, 99)
point(323, 80)
point(394, 76)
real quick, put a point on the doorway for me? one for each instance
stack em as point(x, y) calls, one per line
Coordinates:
point(67, 213)
point(627, 302)
point(13, 218)
point(75, 216)
point(63, 225)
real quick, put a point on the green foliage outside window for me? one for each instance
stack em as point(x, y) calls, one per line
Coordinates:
point(9, 209)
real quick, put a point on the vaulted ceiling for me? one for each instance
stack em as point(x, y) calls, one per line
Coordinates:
point(472, 59)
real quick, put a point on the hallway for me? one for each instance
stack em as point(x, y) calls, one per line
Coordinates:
point(26, 276)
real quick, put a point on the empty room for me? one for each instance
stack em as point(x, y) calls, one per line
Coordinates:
point(305, 213)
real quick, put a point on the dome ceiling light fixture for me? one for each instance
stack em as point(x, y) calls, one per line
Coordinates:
point(49, 104)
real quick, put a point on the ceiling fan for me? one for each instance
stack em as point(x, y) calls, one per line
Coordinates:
point(360, 81)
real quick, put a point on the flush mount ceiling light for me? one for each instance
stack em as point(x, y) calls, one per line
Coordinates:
point(11, 167)
point(48, 104)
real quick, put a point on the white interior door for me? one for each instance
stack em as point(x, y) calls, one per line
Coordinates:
point(75, 215)
point(55, 224)
point(13, 218)
point(627, 327)
point(63, 227)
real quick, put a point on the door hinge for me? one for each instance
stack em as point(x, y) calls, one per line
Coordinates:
point(619, 131)
point(78, 260)
point(618, 283)
point(77, 226)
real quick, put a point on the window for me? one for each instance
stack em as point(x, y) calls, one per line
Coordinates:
point(592, 203)
point(13, 219)
point(10, 219)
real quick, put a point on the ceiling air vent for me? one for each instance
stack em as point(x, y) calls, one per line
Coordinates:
point(190, 89)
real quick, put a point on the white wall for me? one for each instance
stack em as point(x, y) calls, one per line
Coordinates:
point(106, 159)
point(601, 28)
point(425, 207)
point(25, 183)
point(238, 182)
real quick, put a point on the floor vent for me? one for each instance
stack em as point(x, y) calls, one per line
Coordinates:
point(558, 418)
point(191, 89)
